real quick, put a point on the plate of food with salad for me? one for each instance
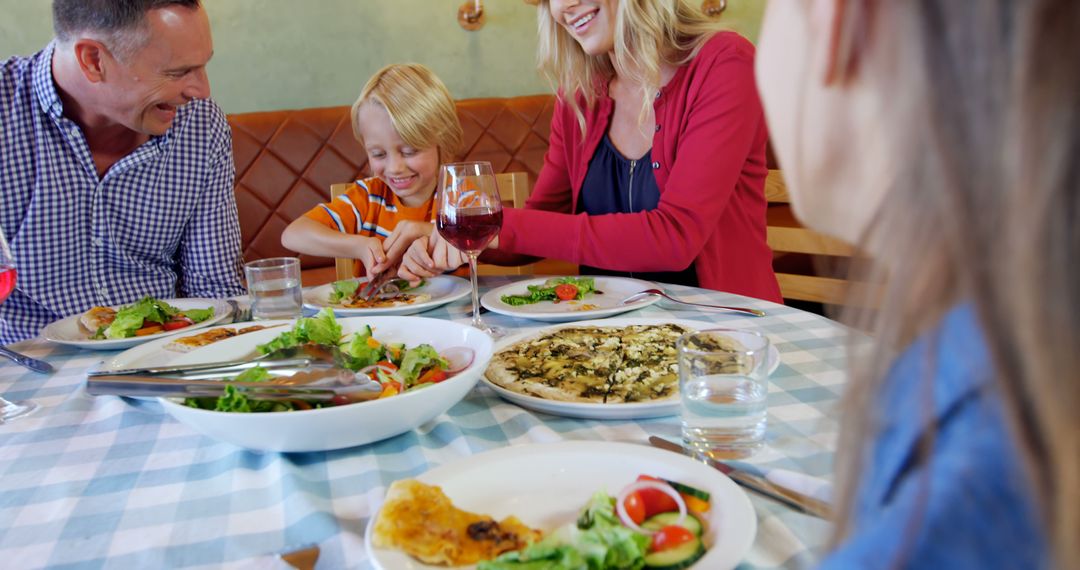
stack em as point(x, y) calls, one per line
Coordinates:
point(395, 297)
point(124, 326)
point(395, 373)
point(567, 505)
point(565, 299)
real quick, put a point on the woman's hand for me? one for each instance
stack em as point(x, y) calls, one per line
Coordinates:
point(430, 256)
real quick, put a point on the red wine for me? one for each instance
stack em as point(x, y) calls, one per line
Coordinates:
point(7, 281)
point(470, 229)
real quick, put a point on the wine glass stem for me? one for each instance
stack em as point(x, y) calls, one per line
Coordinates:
point(476, 322)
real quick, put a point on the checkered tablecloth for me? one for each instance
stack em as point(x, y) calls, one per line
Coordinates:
point(104, 482)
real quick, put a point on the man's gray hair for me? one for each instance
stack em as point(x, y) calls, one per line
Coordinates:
point(119, 23)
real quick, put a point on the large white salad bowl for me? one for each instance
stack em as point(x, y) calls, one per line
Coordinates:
point(340, 426)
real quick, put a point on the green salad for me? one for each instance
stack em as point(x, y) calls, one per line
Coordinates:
point(555, 289)
point(149, 316)
point(394, 366)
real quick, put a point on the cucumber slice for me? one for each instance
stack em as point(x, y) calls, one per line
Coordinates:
point(657, 522)
point(688, 490)
point(677, 558)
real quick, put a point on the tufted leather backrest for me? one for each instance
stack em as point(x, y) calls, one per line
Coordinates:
point(287, 160)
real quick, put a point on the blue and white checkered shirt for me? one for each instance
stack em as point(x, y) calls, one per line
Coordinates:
point(162, 221)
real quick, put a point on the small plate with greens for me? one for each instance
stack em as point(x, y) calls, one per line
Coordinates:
point(565, 299)
point(147, 319)
point(395, 298)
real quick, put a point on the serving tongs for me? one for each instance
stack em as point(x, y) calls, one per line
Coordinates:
point(289, 358)
point(318, 384)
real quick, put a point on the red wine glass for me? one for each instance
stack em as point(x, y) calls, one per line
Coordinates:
point(469, 217)
point(10, 410)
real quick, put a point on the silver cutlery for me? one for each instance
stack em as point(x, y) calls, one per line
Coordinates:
point(783, 495)
point(320, 384)
point(659, 293)
point(39, 366)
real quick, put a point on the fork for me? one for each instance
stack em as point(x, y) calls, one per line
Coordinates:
point(240, 315)
point(659, 293)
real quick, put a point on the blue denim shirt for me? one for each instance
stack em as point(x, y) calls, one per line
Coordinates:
point(968, 504)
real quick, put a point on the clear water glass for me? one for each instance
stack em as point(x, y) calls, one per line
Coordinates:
point(275, 288)
point(723, 387)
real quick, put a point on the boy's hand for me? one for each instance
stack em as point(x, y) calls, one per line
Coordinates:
point(403, 236)
point(428, 257)
point(369, 251)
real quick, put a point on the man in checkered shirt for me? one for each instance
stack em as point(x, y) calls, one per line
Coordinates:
point(116, 170)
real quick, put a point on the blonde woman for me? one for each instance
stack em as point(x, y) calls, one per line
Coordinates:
point(944, 135)
point(407, 123)
point(656, 164)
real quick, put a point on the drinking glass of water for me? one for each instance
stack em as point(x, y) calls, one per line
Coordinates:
point(274, 286)
point(723, 385)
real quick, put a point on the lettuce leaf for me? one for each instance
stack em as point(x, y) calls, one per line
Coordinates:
point(234, 400)
point(322, 329)
point(546, 292)
point(133, 317)
point(417, 359)
point(359, 353)
point(343, 290)
point(199, 315)
point(597, 541)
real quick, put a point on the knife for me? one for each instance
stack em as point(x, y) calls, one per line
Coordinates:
point(793, 499)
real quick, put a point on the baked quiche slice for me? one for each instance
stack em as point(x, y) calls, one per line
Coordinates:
point(421, 521)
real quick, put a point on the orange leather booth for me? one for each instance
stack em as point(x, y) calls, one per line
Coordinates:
point(287, 160)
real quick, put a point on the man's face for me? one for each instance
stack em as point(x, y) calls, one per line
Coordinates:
point(143, 90)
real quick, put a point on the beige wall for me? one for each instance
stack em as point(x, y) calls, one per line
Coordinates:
point(277, 54)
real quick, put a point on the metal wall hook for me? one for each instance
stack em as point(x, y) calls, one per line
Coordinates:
point(470, 15)
point(714, 8)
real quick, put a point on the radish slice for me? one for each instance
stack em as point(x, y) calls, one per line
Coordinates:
point(458, 357)
point(668, 490)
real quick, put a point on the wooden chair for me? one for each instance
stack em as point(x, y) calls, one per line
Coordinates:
point(795, 249)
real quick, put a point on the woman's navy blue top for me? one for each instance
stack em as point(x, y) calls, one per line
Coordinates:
point(615, 184)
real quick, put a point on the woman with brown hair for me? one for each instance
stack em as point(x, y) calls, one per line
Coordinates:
point(944, 136)
point(656, 159)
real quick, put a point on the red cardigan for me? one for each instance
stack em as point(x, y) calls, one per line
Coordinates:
point(709, 153)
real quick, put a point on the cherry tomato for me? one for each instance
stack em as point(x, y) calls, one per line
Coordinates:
point(655, 500)
point(635, 507)
point(177, 324)
point(566, 291)
point(669, 537)
point(340, 400)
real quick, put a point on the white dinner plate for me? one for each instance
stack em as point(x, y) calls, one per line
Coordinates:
point(620, 411)
point(614, 289)
point(67, 330)
point(442, 288)
point(154, 353)
point(546, 485)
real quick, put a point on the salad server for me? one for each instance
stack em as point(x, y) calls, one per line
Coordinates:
point(321, 384)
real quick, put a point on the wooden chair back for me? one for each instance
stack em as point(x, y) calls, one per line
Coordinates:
point(794, 248)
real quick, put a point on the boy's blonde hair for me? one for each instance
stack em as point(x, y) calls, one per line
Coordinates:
point(420, 107)
point(647, 33)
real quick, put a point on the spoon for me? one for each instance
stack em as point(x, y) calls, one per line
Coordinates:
point(659, 293)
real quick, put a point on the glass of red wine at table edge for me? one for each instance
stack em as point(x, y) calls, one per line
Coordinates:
point(469, 217)
point(10, 410)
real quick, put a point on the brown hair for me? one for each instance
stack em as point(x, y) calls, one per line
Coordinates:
point(986, 212)
point(419, 105)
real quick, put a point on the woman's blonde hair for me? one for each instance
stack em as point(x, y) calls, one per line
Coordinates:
point(986, 211)
point(420, 107)
point(647, 33)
